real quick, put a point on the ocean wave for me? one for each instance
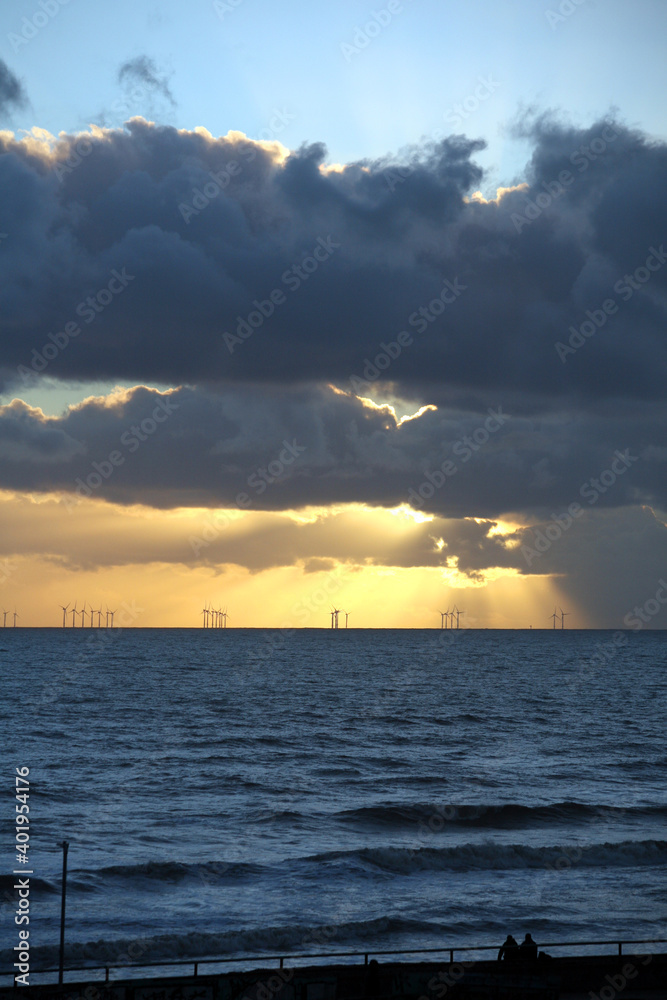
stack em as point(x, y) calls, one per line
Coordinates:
point(329, 771)
point(161, 876)
point(37, 885)
point(476, 857)
point(507, 816)
point(267, 815)
point(168, 873)
point(293, 938)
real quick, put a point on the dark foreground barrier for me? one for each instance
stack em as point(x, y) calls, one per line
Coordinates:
point(626, 976)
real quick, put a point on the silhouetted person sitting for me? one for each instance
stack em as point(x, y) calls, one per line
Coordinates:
point(528, 950)
point(509, 950)
point(372, 980)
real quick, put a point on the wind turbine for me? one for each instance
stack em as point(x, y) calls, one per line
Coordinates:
point(91, 616)
point(224, 618)
point(73, 613)
point(112, 613)
point(458, 615)
point(347, 615)
point(336, 613)
point(443, 618)
point(64, 607)
point(204, 612)
point(562, 617)
point(554, 616)
point(4, 620)
point(15, 616)
point(332, 617)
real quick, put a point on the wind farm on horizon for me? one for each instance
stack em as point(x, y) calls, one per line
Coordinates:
point(334, 616)
point(554, 617)
point(91, 612)
point(214, 617)
point(448, 617)
point(217, 617)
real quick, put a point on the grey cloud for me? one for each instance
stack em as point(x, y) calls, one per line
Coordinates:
point(607, 562)
point(204, 253)
point(196, 447)
point(12, 91)
point(142, 70)
point(27, 440)
point(206, 228)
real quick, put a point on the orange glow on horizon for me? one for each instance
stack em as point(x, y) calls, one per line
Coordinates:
point(354, 556)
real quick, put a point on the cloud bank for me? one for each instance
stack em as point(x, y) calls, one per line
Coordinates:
point(317, 445)
point(209, 228)
point(286, 300)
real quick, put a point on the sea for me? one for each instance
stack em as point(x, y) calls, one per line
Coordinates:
point(234, 793)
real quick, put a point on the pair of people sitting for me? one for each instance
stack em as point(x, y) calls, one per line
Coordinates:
point(526, 952)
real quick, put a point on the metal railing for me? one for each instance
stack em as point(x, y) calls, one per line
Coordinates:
point(293, 956)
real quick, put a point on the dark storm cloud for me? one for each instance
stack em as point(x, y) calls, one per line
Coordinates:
point(142, 70)
point(607, 562)
point(132, 253)
point(12, 92)
point(318, 446)
point(209, 228)
point(573, 487)
point(28, 440)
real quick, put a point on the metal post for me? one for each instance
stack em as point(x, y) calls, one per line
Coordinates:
point(65, 846)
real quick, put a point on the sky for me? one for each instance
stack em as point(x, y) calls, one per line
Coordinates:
point(356, 305)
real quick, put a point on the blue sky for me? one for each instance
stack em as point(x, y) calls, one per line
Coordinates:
point(232, 67)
